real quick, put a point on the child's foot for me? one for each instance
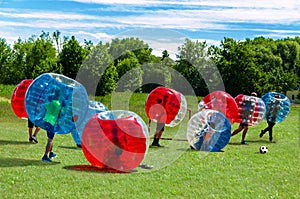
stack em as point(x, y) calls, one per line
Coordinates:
point(244, 142)
point(261, 133)
point(156, 144)
point(52, 155)
point(46, 159)
point(34, 138)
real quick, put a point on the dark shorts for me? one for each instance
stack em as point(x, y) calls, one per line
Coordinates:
point(30, 124)
point(160, 127)
point(50, 135)
point(243, 125)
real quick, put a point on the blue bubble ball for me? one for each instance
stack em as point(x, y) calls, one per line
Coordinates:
point(277, 106)
point(54, 101)
point(208, 130)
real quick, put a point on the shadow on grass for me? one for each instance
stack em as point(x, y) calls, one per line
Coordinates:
point(252, 141)
point(20, 162)
point(13, 142)
point(90, 168)
point(70, 147)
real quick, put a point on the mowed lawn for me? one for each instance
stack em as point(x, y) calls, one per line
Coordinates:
point(179, 172)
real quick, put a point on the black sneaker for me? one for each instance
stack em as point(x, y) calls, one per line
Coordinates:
point(46, 159)
point(34, 138)
point(30, 140)
point(52, 155)
point(156, 144)
point(243, 142)
point(261, 133)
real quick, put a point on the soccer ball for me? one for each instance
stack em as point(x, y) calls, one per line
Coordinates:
point(263, 149)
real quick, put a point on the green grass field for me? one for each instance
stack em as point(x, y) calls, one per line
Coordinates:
point(179, 172)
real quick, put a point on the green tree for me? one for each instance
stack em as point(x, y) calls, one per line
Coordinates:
point(72, 57)
point(197, 67)
point(5, 59)
point(108, 81)
point(93, 69)
point(41, 57)
point(119, 47)
point(155, 74)
point(237, 65)
point(31, 58)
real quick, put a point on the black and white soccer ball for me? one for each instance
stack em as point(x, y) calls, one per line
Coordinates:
point(263, 149)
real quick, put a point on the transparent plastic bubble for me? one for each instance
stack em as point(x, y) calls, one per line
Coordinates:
point(251, 110)
point(115, 139)
point(208, 130)
point(54, 101)
point(277, 106)
point(222, 102)
point(94, 108)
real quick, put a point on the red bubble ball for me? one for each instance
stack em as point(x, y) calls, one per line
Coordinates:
point(222, 102)
point(18, 97)
point(251, 110)
point(163, 105)
point(118, 144)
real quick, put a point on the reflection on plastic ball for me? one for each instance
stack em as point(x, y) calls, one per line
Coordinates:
point(165, 105)
point(94, 108)
point(277, 106)
point(115, 139)
point(54, 101)
point(251, 109)
point(208, 130)
point(18, 97)
point(222, 102)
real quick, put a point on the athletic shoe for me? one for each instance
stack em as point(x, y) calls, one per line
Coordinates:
point(156, 144)
point(52, 155)
point(34, 138)
point(30, 140)
point(243, 142)
point(261, 133)
point(46, 159)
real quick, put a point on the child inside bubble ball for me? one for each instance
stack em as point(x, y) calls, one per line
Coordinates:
point(53, 108)
point(271, 117)
point(249, 105)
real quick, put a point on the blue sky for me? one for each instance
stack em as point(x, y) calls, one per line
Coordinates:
point(168, 21)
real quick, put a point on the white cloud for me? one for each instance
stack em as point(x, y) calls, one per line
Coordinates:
point(182, 18)
point(9, 37)
point(258, 4)
point(100, 36)
point(216, 15)
point(28, 14)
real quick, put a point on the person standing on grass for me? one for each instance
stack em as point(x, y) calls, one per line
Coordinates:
point(53, 109)
point(32, 138)
point(249, 108)
point(271, 118)
point(161, 118)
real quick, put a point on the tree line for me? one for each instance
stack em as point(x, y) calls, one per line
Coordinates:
point(259, 64)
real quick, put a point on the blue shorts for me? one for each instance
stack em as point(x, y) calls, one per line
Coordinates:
point(50, 135)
